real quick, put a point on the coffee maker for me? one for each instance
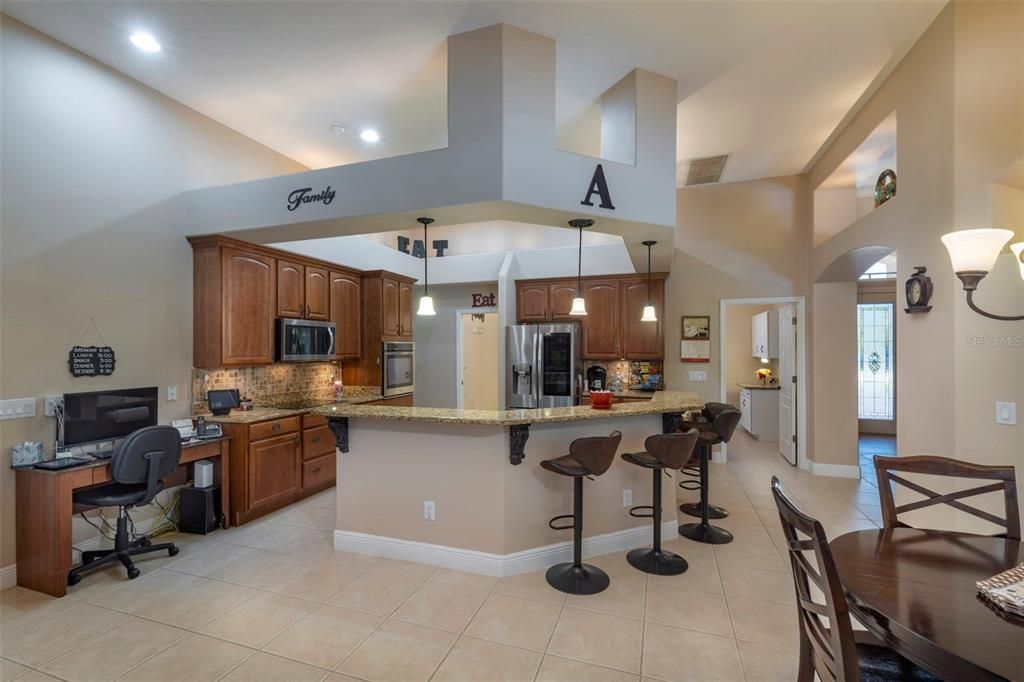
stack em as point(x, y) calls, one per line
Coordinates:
point(597, 378)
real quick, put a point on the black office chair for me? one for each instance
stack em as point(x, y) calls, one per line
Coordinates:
point(138, 464)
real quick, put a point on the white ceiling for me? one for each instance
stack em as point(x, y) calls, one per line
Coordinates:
point(766, 81)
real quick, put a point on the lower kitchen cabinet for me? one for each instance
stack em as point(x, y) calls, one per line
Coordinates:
point(759, 413)
point(276, 462)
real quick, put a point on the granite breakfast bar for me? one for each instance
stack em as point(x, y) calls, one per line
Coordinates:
point(477, 474)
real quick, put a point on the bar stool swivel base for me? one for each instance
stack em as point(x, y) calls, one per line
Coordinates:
point(657, 562)
point(714, 511)
point(706, 533)
point(577, 579)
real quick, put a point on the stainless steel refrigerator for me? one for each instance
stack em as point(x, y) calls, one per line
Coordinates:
point(545, 368)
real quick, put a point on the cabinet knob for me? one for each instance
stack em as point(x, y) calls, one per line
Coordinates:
point(317, 470)
point(276, 427)
point(317, 439)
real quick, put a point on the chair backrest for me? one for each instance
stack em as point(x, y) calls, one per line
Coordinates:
point(673, 450)
point(596, 453)
point(145, 456)
point(1004, 477)
point(724, 419)
point(831, 648)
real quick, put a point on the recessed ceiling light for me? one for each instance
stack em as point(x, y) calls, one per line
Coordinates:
point(369, 135)
point(145, 42)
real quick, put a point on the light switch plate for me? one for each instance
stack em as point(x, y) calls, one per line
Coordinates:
point(16, 408)
point(698, 375)
point(1006, 413)
point(172, 392)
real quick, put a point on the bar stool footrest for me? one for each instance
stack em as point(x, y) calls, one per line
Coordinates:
point(633, 511)
point(552, 526)
point(689, 485)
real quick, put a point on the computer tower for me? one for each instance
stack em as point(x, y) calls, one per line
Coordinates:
point(199, 510)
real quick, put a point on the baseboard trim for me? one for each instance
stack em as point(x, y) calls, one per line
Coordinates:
point(8, 576)
point(834, 470)
point(496, 565)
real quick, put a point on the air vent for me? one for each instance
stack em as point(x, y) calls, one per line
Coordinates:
point(707, 170)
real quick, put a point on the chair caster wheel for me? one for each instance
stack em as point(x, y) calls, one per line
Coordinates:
point(133, 573)
point(145, 542)
point(74, 579)
point(172, 551)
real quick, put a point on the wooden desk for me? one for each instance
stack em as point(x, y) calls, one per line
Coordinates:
point(44, 509)
point(915, 590)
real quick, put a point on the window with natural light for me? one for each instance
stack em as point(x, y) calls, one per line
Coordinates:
point(876, 375)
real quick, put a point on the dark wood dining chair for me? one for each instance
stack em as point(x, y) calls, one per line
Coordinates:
point(1004, 477)
point(835, 651)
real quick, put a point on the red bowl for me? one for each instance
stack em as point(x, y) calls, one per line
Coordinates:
point(600, 400)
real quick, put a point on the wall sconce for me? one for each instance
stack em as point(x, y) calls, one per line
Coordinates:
point(973, 253)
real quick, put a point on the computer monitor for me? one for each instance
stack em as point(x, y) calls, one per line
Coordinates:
point(106, 415)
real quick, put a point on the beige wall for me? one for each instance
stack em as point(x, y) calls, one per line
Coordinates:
point(90, 160)
point(834, 374)
point(740, 364)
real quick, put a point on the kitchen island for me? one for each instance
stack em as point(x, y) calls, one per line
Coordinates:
point(477, 474)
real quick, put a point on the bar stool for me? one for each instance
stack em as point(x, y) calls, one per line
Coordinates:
point(591, 456)
point(693, 471)
point(663, 451)
point(722, 427)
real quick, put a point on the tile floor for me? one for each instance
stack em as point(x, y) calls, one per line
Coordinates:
point(274, 601)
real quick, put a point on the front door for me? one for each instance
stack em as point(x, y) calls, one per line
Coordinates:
point(787, 383)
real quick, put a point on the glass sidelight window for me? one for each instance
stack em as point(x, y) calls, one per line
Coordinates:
point(876, 358)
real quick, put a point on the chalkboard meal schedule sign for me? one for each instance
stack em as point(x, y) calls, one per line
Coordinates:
point(91, 361)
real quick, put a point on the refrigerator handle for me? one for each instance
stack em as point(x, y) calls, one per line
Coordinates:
point(538, 354)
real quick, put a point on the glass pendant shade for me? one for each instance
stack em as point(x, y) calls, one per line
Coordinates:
point(579, 306)
point(426, 306)
point(649, 314)
point(975, 250)
point(1018, 251)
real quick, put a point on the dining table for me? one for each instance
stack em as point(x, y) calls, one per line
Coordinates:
point(916, 590)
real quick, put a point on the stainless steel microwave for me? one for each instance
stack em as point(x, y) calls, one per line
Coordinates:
point(305, 340)
point(399, 373)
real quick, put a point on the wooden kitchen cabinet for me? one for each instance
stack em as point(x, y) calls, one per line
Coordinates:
point(560, 296)
point(346, 314)
point(642, 340)
point(391, 309)
point(386, 316)
point(600, 327)
point(318, 295)
point(405, 310)
point(273, 468)
point(291, 289)
point(532, 302)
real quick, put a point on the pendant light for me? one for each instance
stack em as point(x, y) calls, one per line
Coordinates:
point(649, 314)
point(426, 302)
point(579, 306)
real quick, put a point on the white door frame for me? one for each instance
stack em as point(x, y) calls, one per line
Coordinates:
point(458, 347)
point(801, 364)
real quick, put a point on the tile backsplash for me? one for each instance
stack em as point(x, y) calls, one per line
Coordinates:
point(630, 374)
point(266, 383)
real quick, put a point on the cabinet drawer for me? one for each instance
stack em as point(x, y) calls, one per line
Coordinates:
point(310, 421)
point(277, 427)
point(317, 442)
point(317, 471)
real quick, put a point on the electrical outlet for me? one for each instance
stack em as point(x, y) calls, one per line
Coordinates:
point(51, 403)
point(16, 408)
point(627, 498)
point(698, 375)
point(1006, 413)
point(172, 393)
point(428, 510)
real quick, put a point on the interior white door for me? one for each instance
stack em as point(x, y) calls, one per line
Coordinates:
point(787, 382)
point(478, 389)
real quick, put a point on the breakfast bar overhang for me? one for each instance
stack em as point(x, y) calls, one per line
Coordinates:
point(477, 474)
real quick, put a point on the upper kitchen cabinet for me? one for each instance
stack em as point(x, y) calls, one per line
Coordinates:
point(532, 302)
point(642, 340)
point(390, 307)
point(560, 295)
point(764, 334)
point(302, 291)
point(600, 327)
point(346, 313)
point(234, 293)
point(386, 316)
point(405, 309)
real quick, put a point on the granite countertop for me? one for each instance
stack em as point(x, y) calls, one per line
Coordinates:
point(630, 393)
point(661, 402)
point(261, 414)
point(760, 387)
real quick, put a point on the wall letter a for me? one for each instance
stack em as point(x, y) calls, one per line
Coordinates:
point(599, 186)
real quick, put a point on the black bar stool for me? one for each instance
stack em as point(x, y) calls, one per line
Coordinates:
point(723, 424)
point(591, 456)
point(663, 451)
point(693, 472)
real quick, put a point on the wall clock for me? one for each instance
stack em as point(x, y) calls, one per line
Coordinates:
point(919, 291)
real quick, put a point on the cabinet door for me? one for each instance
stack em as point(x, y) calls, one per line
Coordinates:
point(291, 289)
point(560, 295)
point(274, 469)
point(642, 340)
point(601, 325)
point(391, 319)
point(532, 302)
point(317, 293)
point(405, 308)
point(346, 291)
point(759, 334)
point(247, 331)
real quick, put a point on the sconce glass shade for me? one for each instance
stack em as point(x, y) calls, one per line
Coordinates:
point(579, 306)
point(426, 306)
point(649, 314)
point(975, 250)
point(1018, 251)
